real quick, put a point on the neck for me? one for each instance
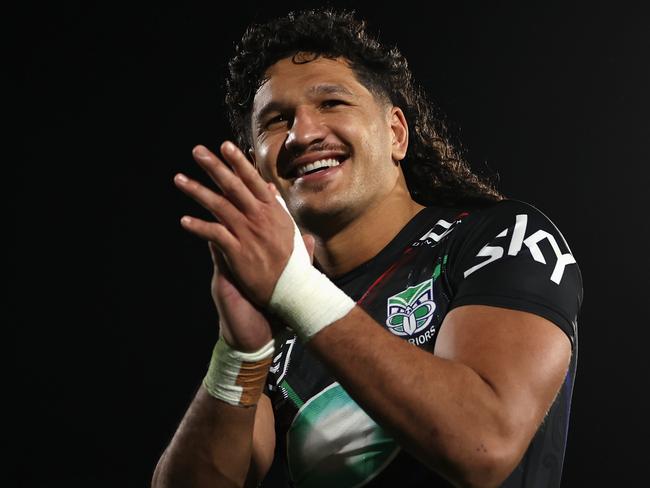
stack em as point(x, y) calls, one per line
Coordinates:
point(365, 236)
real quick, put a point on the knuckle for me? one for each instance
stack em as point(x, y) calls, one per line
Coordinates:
point(215, 200)
point(231, 185)
point(196, 186)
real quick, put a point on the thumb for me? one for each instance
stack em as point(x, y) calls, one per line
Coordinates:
point(214, 252)
point(310, 243)
point(220, 264)
point(218, 258)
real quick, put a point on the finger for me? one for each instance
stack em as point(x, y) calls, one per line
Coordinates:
point(273, 189)
point(233, 188)
point(310, 244)
point(212, 231)
point(216, 204)
point(246, 171)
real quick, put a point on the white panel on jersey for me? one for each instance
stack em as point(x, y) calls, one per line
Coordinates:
point(333, 442)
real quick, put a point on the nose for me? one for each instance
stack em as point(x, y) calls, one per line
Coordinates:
point(306, 129)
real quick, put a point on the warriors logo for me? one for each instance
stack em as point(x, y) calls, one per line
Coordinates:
point(411, 311)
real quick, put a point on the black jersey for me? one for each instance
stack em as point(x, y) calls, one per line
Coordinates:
point(508, 255)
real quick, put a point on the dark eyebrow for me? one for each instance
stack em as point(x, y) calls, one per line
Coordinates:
point(330, 89)
point(323, 89)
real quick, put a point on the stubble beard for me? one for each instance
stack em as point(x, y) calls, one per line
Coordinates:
point(326, 215)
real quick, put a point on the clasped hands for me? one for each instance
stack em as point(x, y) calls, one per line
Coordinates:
point(253, 232)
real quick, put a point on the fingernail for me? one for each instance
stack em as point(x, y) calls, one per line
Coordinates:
point(182, 178)
point(201, 152)
point(228, 146)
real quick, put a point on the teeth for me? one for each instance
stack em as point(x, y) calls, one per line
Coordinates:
point(322, 163)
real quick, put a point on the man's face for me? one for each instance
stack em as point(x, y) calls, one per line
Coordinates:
point(324, 140)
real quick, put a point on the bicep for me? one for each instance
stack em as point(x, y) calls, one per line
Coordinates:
point(263, 442)
point(523, 357)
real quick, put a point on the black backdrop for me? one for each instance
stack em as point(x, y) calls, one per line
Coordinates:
point(110, 308)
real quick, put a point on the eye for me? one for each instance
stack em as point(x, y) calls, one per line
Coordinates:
point(275, 120)
point(332, 103)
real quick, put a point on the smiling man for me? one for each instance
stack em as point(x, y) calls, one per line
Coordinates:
point(386, 317)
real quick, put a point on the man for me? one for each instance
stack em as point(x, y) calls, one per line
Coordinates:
point(437, 347)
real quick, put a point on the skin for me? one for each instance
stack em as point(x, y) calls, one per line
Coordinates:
point(355, 214)
point(467, 411)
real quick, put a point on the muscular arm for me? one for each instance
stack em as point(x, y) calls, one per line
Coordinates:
point(218, 445)
point(470, 410)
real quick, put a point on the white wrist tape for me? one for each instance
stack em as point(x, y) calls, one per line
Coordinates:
point(304, 298)
point(237, 377)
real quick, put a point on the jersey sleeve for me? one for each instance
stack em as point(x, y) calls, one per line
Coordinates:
point(511, 255)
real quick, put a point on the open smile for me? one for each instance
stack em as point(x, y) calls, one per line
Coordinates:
point(318, 171)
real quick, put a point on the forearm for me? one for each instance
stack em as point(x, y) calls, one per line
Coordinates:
point(212, 446)
point(439, 410)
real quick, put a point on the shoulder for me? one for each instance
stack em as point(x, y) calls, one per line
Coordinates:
point(511, 254)
point(505, 212)
point(517, 222)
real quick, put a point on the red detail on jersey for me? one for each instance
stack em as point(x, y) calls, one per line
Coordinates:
point(384, 275)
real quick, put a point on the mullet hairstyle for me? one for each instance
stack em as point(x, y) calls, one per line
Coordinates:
point(435, 171)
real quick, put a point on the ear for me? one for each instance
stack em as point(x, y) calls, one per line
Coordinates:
point(251, 155)
point(400, 133)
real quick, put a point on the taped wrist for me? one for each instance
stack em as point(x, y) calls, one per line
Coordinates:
point(304, 298)
point(238, 377)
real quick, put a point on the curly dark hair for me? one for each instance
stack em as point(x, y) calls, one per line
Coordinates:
point(435, 171)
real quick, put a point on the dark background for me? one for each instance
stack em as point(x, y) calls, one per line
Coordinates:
point(112, 318)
